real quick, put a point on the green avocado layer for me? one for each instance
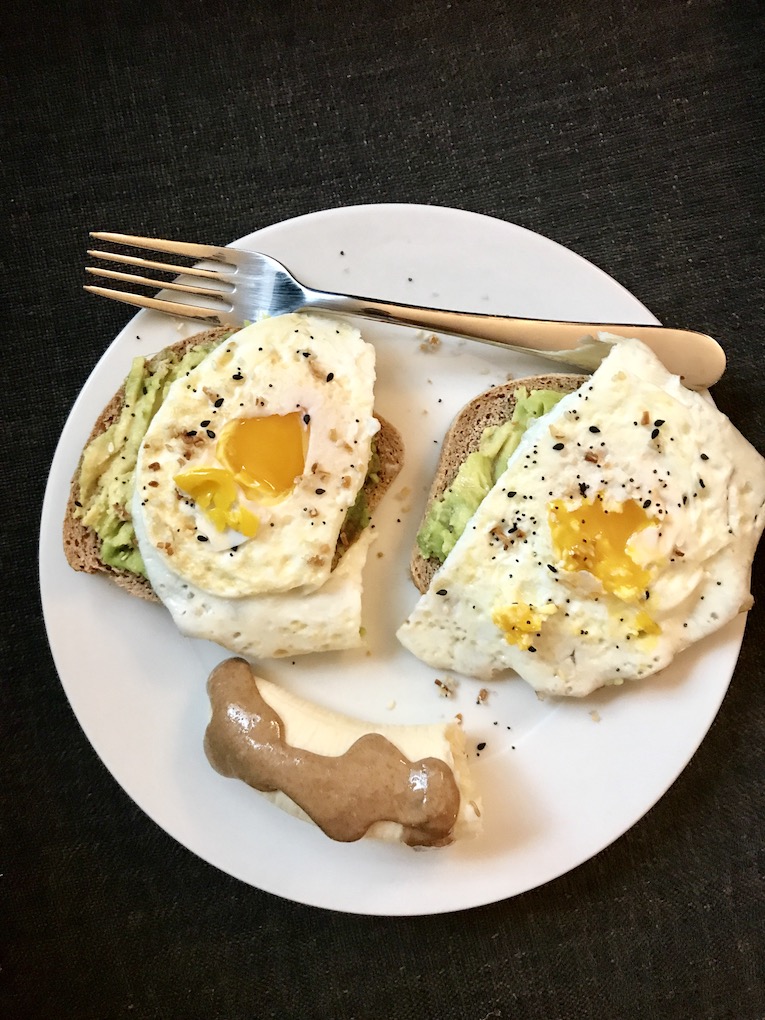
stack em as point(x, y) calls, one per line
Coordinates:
point(357, 517)
point(109, 460)
point(448, 516)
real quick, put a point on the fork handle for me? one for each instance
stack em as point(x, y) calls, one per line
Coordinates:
point(697, 358)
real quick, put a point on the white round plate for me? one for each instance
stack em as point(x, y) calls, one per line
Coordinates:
point(560, 780)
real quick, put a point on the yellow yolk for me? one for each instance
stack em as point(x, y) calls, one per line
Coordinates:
point(265, 455)
point(646, 627)
point(587, 536)
point(520, 622)
point(214, 492)
point(262, 457)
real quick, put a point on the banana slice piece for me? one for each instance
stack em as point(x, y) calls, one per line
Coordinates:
point(408, 784)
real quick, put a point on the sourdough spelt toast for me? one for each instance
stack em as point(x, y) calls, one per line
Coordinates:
point(82, 545)
point(492, 407)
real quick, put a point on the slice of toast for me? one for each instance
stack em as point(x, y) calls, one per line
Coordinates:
point(492, 407)
point(82, 546)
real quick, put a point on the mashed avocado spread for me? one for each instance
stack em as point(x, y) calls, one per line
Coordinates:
point(108, 462)
point(357, 518)
point(449, 515)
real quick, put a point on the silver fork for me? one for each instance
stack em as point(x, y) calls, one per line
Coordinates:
point(239, 285)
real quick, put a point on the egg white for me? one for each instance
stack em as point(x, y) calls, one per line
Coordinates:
point(301, 362)
point(633, 432)
point(294, 622)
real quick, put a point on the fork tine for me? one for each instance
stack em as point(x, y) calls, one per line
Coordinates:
point(209, 315)
point(145, 281)
point(194, 251)
point(165, 267)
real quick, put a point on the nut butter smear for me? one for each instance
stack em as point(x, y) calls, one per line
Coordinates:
point(344, 795)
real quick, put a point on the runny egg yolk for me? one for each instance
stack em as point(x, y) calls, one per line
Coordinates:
point(645, 626)
point(261, 458)
point(214, 491)
point(521, 622)
point(265, 454)
point(587, 536)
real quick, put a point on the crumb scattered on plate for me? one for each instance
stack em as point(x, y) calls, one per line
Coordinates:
point(446, 687)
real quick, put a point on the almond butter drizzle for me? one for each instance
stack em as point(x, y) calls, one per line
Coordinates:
point(344, 795)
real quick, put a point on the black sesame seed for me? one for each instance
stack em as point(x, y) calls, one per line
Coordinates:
point(480, 747)
point(558, 446)
point(654, 434)
point(330, 376)
point(594, 428)
point(511, 494)
point(204, 424)
point(192, 433)
point(218, 402)
point(704, 457)
point(320, 492)
point(532, 648)
point(202, 538)
point(552, 568)
point(659, 422)
point(306, 418)
point(646, 503)
point(211, 434)
point(441, 591)
point(701, 483)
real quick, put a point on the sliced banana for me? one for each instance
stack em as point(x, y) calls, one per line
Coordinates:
point(408, 784)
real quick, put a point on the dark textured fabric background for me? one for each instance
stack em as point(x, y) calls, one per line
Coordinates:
point(630, 132)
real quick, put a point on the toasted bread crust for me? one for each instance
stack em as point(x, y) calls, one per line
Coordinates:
point(492, 407)
point(82, 546)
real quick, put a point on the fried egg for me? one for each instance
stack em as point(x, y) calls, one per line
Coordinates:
point(294, 622)
point(622, 530)
point(249, 467)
